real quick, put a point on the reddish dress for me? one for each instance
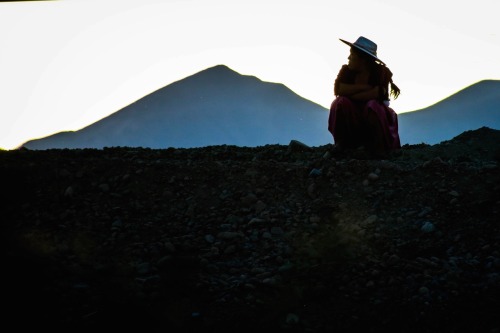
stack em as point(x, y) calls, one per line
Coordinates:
point(371, 124)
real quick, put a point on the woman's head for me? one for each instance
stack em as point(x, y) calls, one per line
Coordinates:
point(364, 47)
point(359, 60)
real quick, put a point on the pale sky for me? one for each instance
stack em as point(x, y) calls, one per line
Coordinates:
point(67, 64)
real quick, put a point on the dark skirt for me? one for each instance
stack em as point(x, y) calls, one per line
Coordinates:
point(370, 124)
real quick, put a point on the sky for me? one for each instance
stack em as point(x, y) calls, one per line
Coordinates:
point(67, 64)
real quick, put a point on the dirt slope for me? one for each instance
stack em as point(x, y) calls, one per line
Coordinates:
point(238, 239)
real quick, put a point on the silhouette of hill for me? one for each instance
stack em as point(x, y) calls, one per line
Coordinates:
point(215, 106)
point(471, 108)
point(278, 238)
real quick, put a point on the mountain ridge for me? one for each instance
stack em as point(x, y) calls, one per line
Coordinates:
point(475, 87)
point(221, 106)
point(217, 105)
point(472, 107)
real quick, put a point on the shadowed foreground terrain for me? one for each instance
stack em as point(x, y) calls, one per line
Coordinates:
point(238, 239)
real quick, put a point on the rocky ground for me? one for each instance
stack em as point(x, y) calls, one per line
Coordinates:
point(241, 239)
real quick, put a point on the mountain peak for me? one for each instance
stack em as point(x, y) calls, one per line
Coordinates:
point(216, 72)
point(219, 69)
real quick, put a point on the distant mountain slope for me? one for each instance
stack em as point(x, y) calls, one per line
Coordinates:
point(220, 106)
point(471, 108)
point(213, 107)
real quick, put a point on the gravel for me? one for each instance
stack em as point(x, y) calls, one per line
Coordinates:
point(226, 238)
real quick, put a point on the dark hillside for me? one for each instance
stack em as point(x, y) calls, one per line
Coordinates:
point(282, 238)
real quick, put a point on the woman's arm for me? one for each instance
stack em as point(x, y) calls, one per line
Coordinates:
point(372, 93)
point(350, 89)
point(345, 85)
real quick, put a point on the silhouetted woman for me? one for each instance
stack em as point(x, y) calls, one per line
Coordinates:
point(360, 115)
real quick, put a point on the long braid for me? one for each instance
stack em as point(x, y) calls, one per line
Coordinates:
point(395, 91)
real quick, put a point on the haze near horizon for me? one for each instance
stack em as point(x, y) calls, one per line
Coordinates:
point(67, 64)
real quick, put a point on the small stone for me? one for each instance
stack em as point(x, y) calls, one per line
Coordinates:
point(230, 249)
point(285, 267)
point(69, 192)
point(228, 235)
point(428, 227)
point(311, 190)
point(260, 206)
point(249, 199)
point(315, 173)
point(214, 251)
point(373, 176)
point(269, 281)
point(370, 219)
point(104, 187)
point(267, 235)
point(425, 212)
point(65, 173)
point(169, 247)
point(423, 290)
point(117, 224)
point(255, 221)
point(292, 319)
point(393, 259)
point(143, 268)
point(297, 146)
point(315, 219)
point(490, 166)
point(277, 231)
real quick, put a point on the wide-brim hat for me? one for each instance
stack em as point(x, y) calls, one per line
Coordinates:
point(365, 45)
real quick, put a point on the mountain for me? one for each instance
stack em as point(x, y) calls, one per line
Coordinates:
point(471, 108)
point(219, 106)
point(213, 107)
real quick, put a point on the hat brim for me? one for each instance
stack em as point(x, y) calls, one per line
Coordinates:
point(362, 49)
